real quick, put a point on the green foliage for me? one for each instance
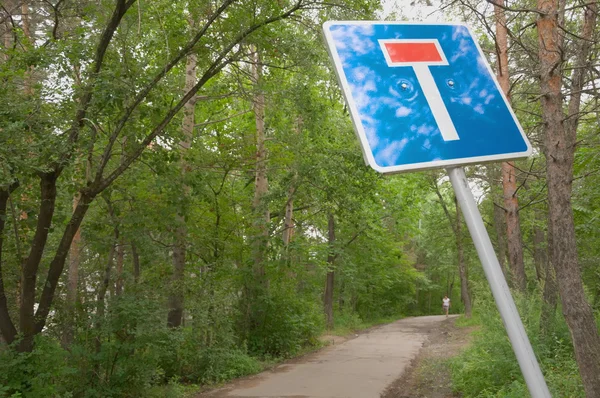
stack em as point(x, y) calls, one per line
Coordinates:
point(488, 368)
point(218, 364)
point(284, 324)
point(45, 372)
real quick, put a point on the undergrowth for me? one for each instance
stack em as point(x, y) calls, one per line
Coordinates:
point(488, 367)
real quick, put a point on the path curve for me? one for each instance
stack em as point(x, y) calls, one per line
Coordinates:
point(359, 368)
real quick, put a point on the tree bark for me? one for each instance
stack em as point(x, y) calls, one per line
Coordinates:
point(30, 268)
point(119, 268)
point(58, 262)
point(540, 247)
point(261, 185)
point(462, 266)
point(494, 176)
point(100, 301)
point(513, 227)
point(329, 283)
point(177, 292)
point(135, 258)
point(8, 29)
point(7, 327)
point(550, 294)
point(559, 145)
point(509, 177)
point(72, 282)
point(500, 228)
point(288, 223)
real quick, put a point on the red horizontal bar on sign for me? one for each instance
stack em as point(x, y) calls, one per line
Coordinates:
point(413, 52)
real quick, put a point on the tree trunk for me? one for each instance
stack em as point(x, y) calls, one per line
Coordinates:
point(100, 302)
point(72, 282)
point(499, 226)
point(30, 268)
point(26, 24)
point(135, 258)
point(261, 186)
point(509, 177)
point(329, 283)
point(177, 292)
point(513, 227)
point(550, 295)
point(494, 176)
point(288, 223)
point(540, 248)
point(462, 266)
point(7, 327)
point(119, 269)
point(7, 29)
point(559, 145)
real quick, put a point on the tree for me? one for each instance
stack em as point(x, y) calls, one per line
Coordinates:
point(509, 177)
point(560, 128)
point(95, 128)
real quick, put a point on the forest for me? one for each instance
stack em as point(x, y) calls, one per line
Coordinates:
point(184, 201)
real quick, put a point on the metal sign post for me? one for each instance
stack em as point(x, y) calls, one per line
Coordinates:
point(506, 306)
point(423, 96)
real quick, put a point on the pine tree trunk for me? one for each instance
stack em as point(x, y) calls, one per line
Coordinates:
point(329, 283)
point(550, 293)
point(559, 145)
point(540, 248)
point(494, 176)
point(500, 228)
point(509, 177)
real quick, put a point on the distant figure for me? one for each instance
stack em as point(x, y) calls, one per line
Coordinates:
point(446, 305)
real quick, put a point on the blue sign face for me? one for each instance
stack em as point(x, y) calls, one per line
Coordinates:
point(422, 96)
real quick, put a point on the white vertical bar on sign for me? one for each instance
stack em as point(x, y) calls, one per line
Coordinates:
point(506, 306)
point(436, 104)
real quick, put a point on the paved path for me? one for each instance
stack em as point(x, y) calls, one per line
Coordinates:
point(359, 368)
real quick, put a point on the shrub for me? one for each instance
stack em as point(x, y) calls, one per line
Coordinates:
point(488, 368)
point(45, 372)
point(283, 325)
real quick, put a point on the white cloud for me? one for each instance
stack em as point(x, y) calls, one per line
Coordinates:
point(390, 154)
point(403, 111)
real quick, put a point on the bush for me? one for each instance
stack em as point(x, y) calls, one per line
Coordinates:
point(488, 368)
point(283, 324)
point(45, 372)
point(218, 364)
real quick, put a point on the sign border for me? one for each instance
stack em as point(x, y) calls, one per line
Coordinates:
point(358, 127)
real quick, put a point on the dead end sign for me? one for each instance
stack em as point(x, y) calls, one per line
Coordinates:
point(422, 96)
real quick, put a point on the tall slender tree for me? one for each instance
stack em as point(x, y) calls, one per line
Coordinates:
point(560, 130)
point(509, 175)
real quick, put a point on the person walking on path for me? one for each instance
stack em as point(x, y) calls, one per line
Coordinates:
point(446, 305)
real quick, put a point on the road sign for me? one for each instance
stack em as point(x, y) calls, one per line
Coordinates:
point(422, 96)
